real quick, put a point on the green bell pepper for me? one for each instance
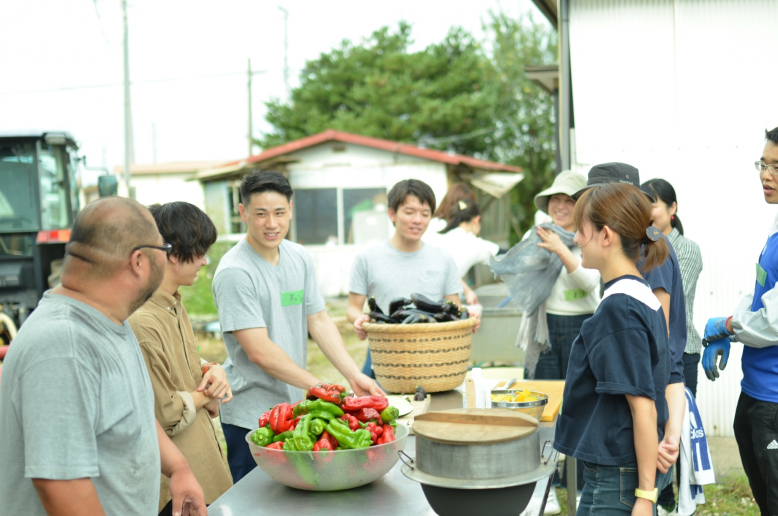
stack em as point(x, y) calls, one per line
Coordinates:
point(348, 439)
point(262, 437)
point(389, 414)
point(309, 406)
point(283, 436)
point(317, 426)
point(320, 414)
point(302, 439)
point(289, 445)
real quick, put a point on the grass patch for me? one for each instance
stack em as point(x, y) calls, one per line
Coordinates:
point(198, 299)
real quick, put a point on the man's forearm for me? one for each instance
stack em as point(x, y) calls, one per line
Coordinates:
point(279, 365)
point(675, 394)
point(329, 340)
point(170, 456)
point(353, 313)
point(76, 497)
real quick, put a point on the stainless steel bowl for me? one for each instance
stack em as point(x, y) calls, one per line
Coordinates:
point(531, 408)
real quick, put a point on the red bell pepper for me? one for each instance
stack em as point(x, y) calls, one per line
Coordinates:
point(333, 441)
point(281, 418)
point(375, 431)
point(368, 414)
point(353, 404)
point(264, 419)
point(353, 423)
point(327, 392)
point(323, 444)
point(388, 435)
point(275, 446)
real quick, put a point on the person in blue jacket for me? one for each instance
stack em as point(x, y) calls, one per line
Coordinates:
point(620, 363)
point(755, 324)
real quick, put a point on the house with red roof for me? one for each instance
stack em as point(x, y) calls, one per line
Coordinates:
point(340, 182)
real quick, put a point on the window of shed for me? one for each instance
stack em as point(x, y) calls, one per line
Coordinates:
point(364, 215)
point(316, 214)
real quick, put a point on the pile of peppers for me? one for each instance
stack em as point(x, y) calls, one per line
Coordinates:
point(327, 420)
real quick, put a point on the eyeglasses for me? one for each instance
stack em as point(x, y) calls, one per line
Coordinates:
point(762, 166)
point(168, 248)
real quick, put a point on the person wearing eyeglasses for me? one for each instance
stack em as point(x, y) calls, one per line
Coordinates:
point(76, 404)
point(755, 324)
point(187, 390)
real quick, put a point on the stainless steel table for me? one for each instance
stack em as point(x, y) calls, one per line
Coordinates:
point(258, 494)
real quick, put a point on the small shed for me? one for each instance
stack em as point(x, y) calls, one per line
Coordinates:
point(340, 183)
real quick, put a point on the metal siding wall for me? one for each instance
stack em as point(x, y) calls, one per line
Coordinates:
point(684, 90)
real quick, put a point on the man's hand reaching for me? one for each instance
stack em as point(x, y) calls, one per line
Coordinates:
point(362, 385)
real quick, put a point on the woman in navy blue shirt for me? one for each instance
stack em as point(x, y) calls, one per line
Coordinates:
point(614, 401)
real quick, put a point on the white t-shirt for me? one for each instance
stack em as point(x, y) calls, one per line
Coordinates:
point(466, 248)
point(577, 293)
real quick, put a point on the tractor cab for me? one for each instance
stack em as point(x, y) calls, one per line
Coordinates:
point(39, 198)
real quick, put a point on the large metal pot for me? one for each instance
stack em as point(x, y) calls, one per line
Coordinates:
point(470, 458)
point(478, 461)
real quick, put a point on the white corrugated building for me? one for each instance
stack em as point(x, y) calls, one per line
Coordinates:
point(683, 90)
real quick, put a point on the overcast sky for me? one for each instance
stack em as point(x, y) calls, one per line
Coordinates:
point(62, 65)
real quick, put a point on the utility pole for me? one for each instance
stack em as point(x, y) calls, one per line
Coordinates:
point(128, 150)
point(251, 109)
point(286, 48)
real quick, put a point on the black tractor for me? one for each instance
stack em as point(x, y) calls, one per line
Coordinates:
point(39, 198)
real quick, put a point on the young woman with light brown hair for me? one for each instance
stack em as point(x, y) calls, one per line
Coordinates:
point(615, 408)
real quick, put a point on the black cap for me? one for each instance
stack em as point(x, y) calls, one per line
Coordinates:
point(606, 173)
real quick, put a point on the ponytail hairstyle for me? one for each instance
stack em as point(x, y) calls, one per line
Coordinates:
point(457, 192)
point(462, 211)
point(661, 189)
point(627, 211)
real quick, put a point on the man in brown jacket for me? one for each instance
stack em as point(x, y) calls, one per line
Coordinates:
point(185, 398)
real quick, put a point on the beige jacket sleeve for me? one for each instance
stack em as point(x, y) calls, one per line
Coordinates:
point(174, 409)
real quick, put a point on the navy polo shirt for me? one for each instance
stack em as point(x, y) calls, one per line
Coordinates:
point(622, 349)
point(668, 277)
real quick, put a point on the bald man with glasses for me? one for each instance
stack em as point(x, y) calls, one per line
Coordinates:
point(76, 405)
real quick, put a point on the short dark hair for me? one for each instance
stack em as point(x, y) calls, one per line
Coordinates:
point(260, 181)
point(771, 135)
point(186, 227)
point(406, 187)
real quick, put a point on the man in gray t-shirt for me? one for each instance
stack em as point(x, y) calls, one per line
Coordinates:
point(268, 300)
point(403, 265)
point(77, 427)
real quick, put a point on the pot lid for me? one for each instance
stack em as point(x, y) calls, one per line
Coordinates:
point(474, 426)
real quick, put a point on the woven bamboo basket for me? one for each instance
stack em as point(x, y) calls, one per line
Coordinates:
point(433, 355)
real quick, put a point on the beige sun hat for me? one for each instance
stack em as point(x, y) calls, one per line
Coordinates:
point(567, 182)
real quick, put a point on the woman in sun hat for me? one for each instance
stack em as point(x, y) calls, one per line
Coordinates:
point(575, 295)
point(554, 292)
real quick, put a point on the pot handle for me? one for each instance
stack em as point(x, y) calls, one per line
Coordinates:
point(401, 453)
point(543, 453)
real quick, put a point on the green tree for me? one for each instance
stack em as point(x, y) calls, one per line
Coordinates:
point(524, 113)
point(380, 89)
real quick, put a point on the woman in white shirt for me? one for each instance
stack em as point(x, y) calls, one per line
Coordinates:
point(447, 209)
point(460, 238)
point(575, 295)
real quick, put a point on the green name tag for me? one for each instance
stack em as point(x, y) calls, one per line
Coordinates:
point(577, 293)
point(292, 298)
point(761, 275)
